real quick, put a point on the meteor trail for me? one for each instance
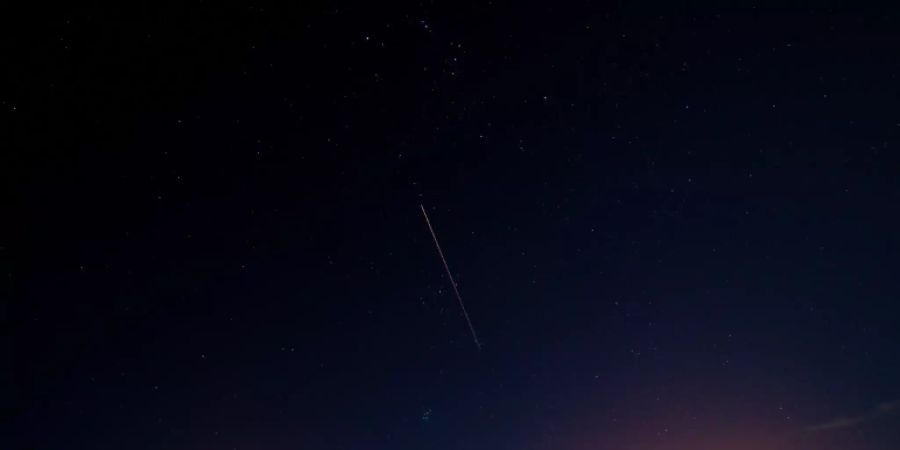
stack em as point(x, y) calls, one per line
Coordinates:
point(450, 275)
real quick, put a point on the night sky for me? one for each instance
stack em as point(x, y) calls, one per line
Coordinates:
point(673, 227)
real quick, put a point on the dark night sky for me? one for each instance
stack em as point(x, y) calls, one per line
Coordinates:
point(675, 228)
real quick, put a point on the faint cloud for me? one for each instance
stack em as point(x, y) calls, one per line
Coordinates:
point(888, 407)
point(847, 422)
point(834, 424)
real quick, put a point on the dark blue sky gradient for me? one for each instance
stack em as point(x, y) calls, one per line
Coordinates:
point(674, 228)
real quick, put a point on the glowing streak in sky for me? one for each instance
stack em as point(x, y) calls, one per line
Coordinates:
point(450, 275)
